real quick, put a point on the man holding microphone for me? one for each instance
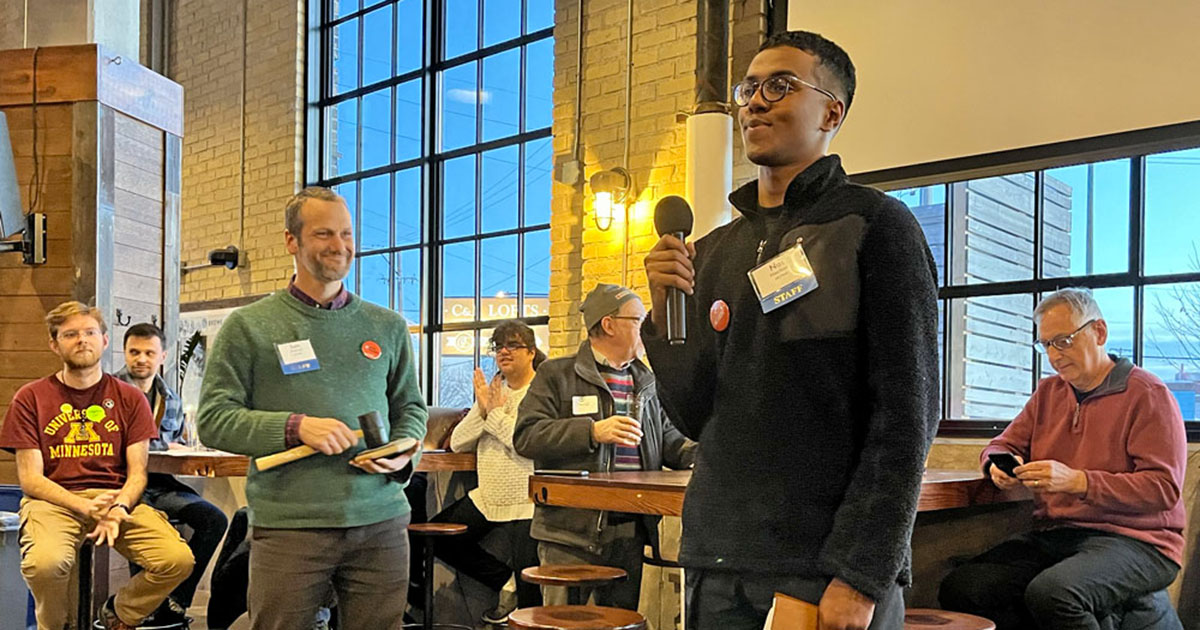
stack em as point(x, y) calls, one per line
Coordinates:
point(809, 372)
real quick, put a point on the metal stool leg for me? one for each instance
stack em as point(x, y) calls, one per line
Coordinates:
point(83, 563)
point(427, 565)
point(427, 569)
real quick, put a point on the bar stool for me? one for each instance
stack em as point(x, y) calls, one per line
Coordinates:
point(83, 565)
point(575, 618)
point(427, 532)
point(91, 564)
point(931, 618)
point(573, 576)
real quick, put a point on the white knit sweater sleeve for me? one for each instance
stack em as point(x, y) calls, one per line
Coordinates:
point(501, 421)
point(467, 433)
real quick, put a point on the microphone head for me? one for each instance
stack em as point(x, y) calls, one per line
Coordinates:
point(673, 214)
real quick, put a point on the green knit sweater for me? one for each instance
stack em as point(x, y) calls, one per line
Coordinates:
point(246, 400)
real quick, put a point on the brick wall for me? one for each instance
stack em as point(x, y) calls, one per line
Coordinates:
point(242, 154)
point(663, 84)
point(207, 58)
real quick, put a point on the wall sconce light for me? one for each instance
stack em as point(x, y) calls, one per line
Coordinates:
point(610, 187)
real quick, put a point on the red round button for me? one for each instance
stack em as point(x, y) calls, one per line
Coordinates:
point(718, 315)
point(371, 350)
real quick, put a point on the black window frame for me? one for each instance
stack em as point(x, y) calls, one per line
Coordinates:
point(1135, 146)
point(320, 96)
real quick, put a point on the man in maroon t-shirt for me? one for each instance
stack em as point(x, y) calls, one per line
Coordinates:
point(82, 441)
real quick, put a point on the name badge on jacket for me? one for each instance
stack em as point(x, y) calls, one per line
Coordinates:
point(297, 357)
point(584, 405)
point(783, 279)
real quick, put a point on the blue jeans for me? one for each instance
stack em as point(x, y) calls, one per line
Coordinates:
point(207, 521)
point(1066, 579)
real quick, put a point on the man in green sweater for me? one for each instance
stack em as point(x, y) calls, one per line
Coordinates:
point(299, 367)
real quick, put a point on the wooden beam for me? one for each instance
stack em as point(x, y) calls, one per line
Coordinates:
point(89, 72)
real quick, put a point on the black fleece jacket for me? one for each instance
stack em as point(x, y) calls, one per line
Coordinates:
point(813, 420)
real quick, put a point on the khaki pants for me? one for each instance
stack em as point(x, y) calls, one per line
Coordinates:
point(50, 539)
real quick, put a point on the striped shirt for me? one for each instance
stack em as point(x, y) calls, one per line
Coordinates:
point(620, 383)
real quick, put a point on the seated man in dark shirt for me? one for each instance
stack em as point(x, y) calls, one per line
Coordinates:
point(144, 355)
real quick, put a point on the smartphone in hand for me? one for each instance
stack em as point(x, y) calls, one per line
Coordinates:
point(1005, 462)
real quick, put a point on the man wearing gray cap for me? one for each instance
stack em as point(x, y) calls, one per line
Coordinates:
point(598, 411)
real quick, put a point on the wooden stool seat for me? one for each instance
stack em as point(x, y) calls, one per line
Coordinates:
point(429, 531)
point(437, 529)
point(576, 618)
point(583, 575)
point(931, 619)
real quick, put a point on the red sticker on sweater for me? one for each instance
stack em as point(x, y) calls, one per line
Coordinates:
point(371, 350)
point(718, 315)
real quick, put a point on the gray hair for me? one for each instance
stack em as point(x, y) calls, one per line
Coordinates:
point(291, 213)
point(1079, 300)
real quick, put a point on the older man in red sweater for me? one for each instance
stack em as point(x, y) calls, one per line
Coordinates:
point(1102, 447)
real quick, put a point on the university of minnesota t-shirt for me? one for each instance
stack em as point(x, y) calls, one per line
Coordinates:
point(82, 433)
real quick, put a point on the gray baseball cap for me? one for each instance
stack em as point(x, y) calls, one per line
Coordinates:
point(604, 300)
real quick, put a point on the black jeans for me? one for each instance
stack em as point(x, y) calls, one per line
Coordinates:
point(207, 521)
point(731, 600)
point(1066, 579)
point(466, 555)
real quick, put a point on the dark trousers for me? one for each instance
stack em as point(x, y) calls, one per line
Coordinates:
point(466, 555)
point(1066, 579)
point(293, 570)
point(731, 600)
point(207, 521)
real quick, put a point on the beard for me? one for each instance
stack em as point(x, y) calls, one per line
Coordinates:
point(75, 360)
point(326, 272)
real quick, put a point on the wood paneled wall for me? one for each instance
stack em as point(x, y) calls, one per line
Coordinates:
point(28, 292)
point(108, 150)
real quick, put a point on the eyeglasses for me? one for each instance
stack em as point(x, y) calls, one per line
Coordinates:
point(511, 346)
point(1061, 342)
point(633, 318)
point(773, 89)
point(72, 335)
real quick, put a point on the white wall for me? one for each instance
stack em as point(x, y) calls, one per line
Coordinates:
point(940, 79)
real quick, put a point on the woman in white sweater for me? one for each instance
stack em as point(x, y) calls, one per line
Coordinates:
point(502, 499)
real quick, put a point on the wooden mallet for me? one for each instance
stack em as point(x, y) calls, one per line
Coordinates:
point(267, 462)
point(372, 423)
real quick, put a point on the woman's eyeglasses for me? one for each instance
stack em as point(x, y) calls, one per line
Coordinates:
point(511, 346)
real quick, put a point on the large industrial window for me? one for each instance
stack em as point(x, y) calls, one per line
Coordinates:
point(432, 118)
point(1128, 228)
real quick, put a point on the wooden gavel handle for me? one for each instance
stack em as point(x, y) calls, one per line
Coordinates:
point(266, 462)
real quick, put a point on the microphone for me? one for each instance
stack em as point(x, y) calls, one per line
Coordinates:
point(673, 215)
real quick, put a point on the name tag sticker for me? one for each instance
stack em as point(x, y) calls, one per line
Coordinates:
point(783, 279)
point(584, 405)
point(297, 357)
